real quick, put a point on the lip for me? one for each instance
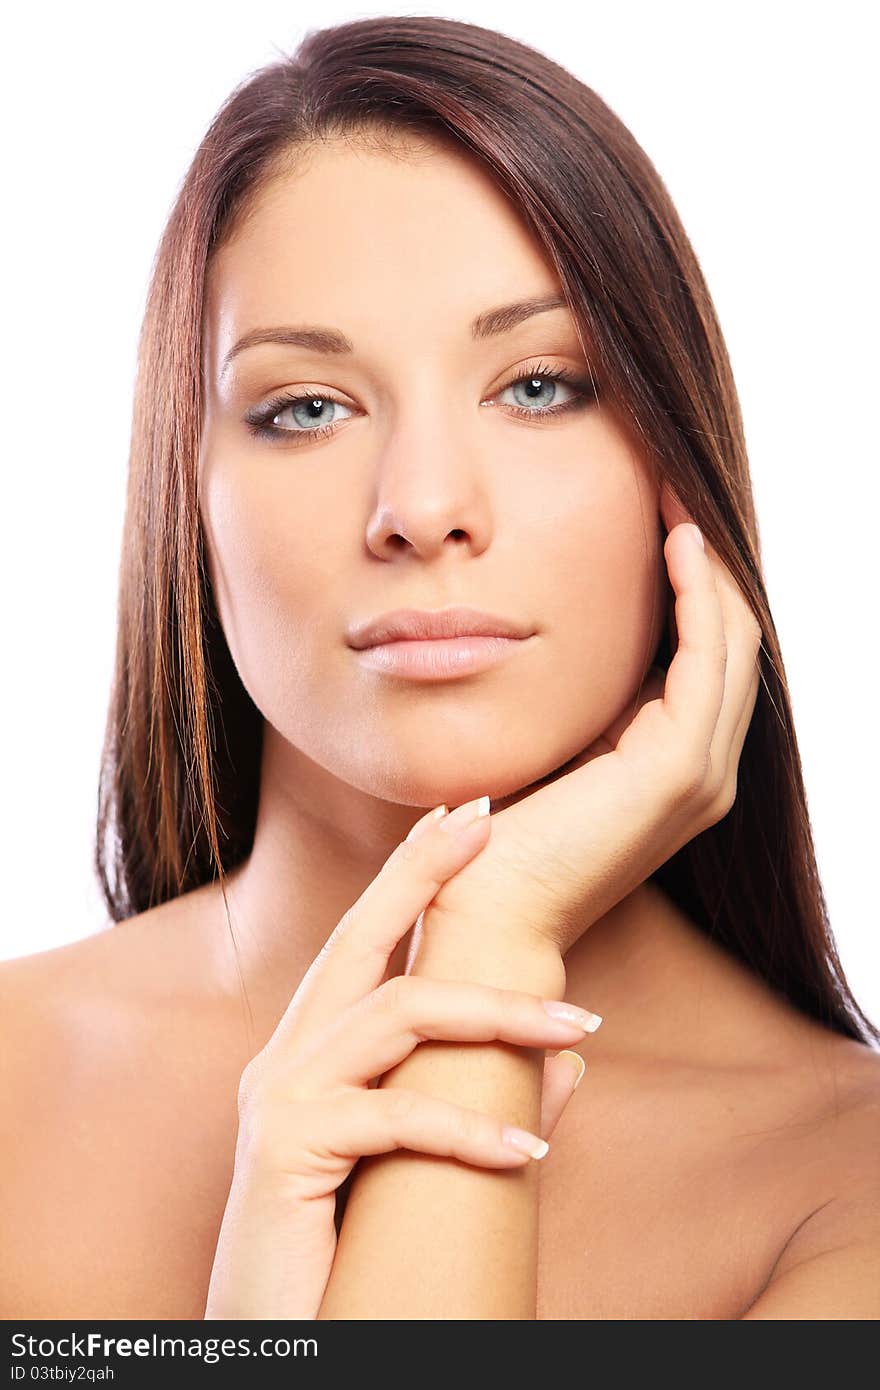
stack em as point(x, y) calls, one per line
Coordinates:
point(432, 625)
point(437, 644)
point(439, 659)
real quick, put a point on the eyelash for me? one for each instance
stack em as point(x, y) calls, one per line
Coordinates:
point(258, 420)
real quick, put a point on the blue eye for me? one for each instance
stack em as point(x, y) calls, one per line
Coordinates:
point(306, 411)
point(543, 381)
point(539, 382)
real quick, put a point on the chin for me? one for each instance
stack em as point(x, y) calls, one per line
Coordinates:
point(466, 779)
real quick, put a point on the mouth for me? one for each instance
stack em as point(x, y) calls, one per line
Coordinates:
point(440, 659)
point(405, 624)
point(437, 644)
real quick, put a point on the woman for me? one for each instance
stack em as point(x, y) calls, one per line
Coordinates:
point(425, 332)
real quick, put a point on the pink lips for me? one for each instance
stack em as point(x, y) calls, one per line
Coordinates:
point(436, 645)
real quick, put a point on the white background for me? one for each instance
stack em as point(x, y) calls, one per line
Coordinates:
point(760, 119)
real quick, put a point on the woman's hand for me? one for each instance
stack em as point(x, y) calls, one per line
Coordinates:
point(563, 855)
point(306, 1108)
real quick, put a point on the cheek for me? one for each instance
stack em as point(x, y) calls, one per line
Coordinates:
point(270, 570)
point(606, 616)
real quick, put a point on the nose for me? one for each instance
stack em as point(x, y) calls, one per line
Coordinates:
point(431, 495)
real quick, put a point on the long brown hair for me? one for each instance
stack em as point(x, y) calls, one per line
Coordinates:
point(180, 769)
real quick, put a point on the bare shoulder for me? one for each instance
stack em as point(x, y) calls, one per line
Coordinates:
point(117, 1102)
point(42, 998)
point(849, 1075)
point(96, 999)
point(859, 1118)
point(829, 1267)
point(840, 1078)
point(59, 1004)
point(846, 1150)
point(34, 987)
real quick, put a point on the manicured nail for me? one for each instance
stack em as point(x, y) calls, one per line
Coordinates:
point(579, 1063)
point(570, 1013)
point(697, 535)
point(524, 1141)
point(465, 815)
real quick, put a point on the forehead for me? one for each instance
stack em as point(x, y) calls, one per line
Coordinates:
point(352, 233)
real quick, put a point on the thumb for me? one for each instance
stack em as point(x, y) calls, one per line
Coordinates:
point(562, 1074)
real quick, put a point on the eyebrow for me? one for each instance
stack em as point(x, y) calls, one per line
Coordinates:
point(328, 340)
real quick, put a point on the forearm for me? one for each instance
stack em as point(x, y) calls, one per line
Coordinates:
point(431, 1237)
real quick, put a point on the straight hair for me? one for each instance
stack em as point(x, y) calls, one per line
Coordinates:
point(180, 767)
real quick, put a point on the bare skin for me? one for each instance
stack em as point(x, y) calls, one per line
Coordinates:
point(712, 1121)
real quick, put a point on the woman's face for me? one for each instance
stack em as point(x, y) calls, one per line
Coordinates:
point(444, 480)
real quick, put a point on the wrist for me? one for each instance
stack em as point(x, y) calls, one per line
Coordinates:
point(451, 948)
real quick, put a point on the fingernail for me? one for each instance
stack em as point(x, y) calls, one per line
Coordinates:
point(580, 1065)
point(464, 816)
point(697, 535)
point(524, 1141)
point(570, 1013)
point(426, 822)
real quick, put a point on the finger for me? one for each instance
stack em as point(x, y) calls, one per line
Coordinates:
point(743, 637)
point(358, 1122)
point(355, 957)
point(383, 1028)
point(742, 644)
point(694, 688)
point(562, 1074)
point(424, 824)
point(401, 958)
point(735, 748)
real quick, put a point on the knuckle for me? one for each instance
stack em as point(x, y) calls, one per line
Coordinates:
point(393, 995)
point(262, 1093)
point(407, 851)
point(470, 1124)
point(274, 1143)
point(691, 772)
point(400, 1104)
point(273, 1122)
point(488, 1001)
point(723, 802)
point(258, 1137)
point(715, 780)
point(505, 1003)
point(348, 938)
point(256, 1116)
